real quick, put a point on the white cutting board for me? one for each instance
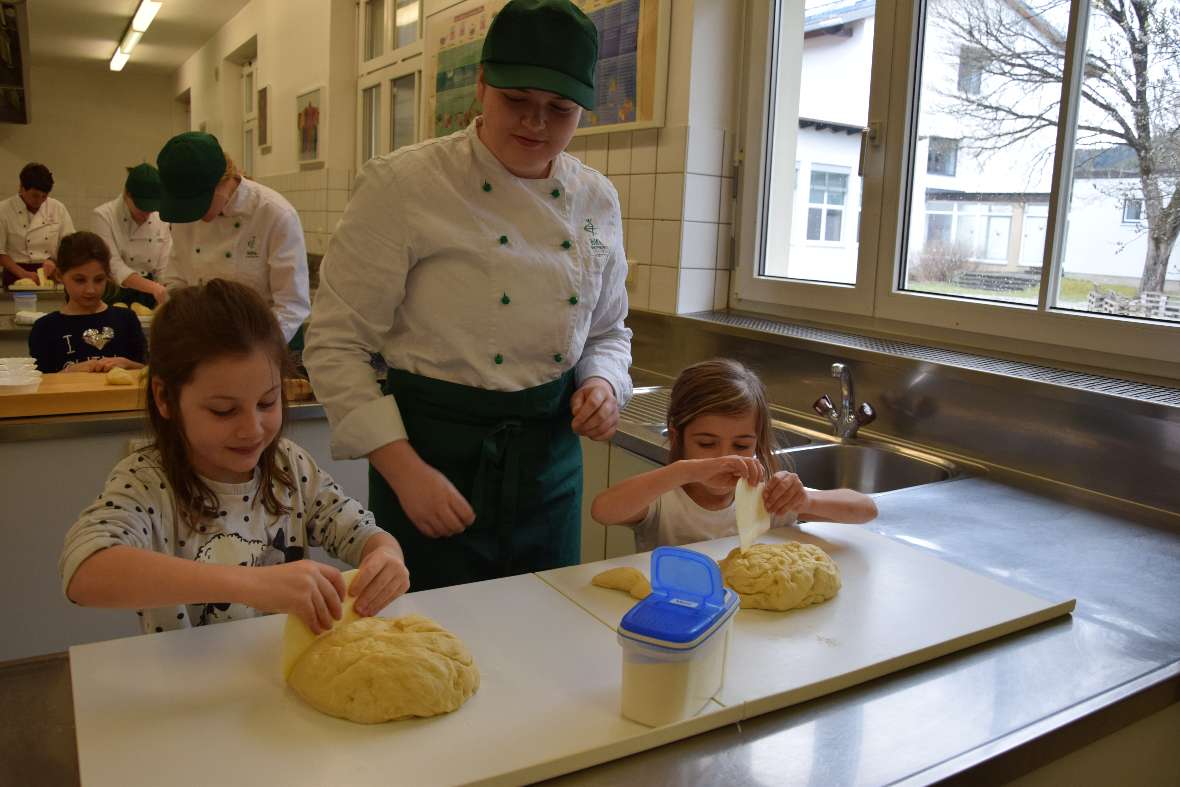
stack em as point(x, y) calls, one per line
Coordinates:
point(897, 607)
point(207, 706)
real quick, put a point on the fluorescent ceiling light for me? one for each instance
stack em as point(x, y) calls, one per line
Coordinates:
point(130, 40)
point(119, 60)
point(144, 15)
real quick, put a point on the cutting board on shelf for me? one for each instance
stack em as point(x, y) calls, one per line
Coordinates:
point(65, 394)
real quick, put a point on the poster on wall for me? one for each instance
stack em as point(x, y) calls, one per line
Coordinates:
point(308, 111)
point(14, 105)
point(264, 116)
point(630, 80)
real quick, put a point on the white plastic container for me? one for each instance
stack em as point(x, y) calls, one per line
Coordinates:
point(24, 301)
point(676, 640)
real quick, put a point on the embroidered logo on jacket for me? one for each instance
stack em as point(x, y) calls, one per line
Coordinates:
point(599, 249)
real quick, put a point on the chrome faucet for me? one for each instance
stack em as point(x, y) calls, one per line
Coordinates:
point(849, 417)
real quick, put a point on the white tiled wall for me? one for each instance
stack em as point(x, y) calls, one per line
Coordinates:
point(319, 196)
point(676, 195)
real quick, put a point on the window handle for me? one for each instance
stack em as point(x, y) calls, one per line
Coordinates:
point(869, 135)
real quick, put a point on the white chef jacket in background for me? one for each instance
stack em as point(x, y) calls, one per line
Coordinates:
point(32, 237)
point(453, 268)
point(257, 240)
point(135, 248)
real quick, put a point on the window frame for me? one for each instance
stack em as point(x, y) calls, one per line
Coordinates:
point(390, 55)
point(825, 206)
point(381, 79)
point(954, 157)
point(878, 301)
point(1127, 202)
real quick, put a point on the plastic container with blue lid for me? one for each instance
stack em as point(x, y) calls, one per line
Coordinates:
point(675, 640)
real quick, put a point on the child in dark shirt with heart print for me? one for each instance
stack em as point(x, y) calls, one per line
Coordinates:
point(86, 335)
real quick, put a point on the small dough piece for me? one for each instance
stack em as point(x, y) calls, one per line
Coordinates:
point(752, 517)
point(624, 578)
point(297, 637)
point(781, 576)
point(377, 669)
point(141, 309)
point(119, 376)
point(120, 305)
point(297, 389)
point(24, 284)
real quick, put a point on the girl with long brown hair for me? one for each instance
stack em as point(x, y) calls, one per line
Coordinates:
point(213, 520)
point(719, 432)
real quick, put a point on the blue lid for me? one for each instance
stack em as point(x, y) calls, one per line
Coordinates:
point(687, 599)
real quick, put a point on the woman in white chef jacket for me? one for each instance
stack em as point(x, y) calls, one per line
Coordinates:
point(32, 225)
point(225, 226)
point(487, 268)
point(139, 240)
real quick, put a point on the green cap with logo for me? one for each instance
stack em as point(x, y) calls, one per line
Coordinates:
point(542, 45)
point(143, 184)
point(191, 165)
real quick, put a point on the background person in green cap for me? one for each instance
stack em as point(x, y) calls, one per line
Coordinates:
point(139, 240)
point(487, 268)
point(225, 226)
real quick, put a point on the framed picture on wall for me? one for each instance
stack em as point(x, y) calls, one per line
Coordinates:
point(309, 109)
point(264, 116)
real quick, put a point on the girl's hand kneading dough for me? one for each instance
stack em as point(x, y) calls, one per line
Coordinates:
point(381, 577)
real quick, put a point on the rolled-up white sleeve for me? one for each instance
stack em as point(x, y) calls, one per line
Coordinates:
point(120, 270)
point(362, 284)
point(607, 353)
point(287, 262)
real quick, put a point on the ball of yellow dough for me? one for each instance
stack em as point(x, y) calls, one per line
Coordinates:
point(781, 576)
point(381, 669)
point(624, 578)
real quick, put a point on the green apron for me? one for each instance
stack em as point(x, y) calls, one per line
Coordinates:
point(512, 455)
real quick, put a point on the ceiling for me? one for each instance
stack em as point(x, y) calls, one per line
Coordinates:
point(84, 32)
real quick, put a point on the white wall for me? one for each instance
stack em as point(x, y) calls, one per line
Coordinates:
point(301, 44)
point(124, 119)
point(1097, 240)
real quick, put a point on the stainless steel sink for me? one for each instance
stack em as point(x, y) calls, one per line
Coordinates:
point(866, 468)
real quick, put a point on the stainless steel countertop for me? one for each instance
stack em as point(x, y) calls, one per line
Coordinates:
point(983, 715)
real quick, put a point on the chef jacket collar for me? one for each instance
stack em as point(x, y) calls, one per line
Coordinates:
point(559, 174)
point(241, 202)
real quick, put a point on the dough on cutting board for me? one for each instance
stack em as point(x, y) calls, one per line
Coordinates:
point(119, 376)
point(624, 578)
point(380, 669)
point(781, 576)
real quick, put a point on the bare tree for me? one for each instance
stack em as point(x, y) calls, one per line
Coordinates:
point(1130, 92)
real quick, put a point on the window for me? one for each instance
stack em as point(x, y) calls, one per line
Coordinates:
point(1132, 211)
point(248, 149)
point(371, 122)
point(406, 22)
point(941, 156)
point(374, 36)
point(825, 205)
point(973, 61)
point(810, 135)
point(402, 119)
point(987, 207)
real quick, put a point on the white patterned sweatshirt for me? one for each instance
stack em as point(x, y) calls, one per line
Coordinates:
point(136, 509)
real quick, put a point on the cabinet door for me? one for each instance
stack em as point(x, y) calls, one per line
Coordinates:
point(595, 464)
point(623, 465)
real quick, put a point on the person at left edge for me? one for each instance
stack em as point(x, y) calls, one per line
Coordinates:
point(139, 240)
point(226, 226)
point(32, 225)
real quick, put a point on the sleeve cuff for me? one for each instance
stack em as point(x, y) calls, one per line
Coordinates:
point(367, 428)
point(621, 382)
